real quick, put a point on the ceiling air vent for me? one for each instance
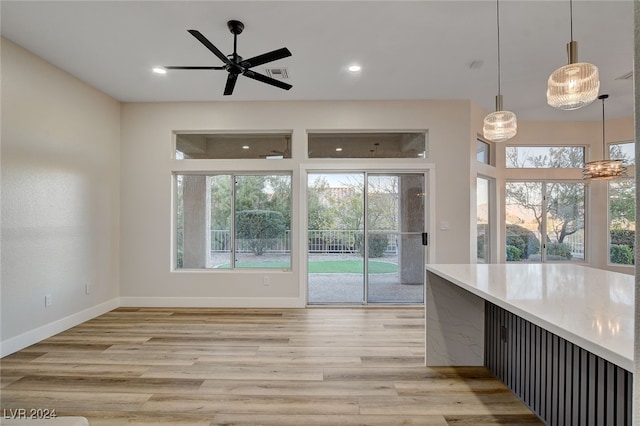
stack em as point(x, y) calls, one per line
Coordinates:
point(627, 76)
point(279, 73)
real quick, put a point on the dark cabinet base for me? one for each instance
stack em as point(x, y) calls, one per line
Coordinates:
point(559, 381)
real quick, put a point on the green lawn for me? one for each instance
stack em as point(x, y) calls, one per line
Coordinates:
point(327, 266)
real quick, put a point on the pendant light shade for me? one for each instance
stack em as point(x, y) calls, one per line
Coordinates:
point(604, 169)
point(499, 126)
point(574, 85)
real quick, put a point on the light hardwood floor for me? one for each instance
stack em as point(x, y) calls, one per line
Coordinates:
point(275, 367)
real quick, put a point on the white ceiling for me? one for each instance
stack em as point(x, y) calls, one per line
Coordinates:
point(407, 49)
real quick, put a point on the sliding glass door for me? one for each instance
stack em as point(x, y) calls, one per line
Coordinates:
point(365, 238)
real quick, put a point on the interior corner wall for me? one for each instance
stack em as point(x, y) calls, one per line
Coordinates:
point(147, 165)
point(60, 199)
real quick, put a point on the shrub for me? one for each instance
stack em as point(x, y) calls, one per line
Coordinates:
point(513, 253)
point(559, 249)
point(624, 237)
point(517, 242)
point(260, 228)
point(525, 240)
point(621, 254)
point(480, 247)
point(377, 245)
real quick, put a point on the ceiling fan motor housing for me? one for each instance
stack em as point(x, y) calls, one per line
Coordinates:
point(235, 27)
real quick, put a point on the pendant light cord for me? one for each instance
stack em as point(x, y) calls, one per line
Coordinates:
point(498, 22)
point(571, 17)
point(604, 144)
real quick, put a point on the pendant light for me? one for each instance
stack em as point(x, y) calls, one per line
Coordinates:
point(604, 169)
point(574, 85)
point(499, 126)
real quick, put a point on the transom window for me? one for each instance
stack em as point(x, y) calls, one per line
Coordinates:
point(270, 146)
point(544, 157)
point(368, 145)
point(623, 151)
point(483, 152)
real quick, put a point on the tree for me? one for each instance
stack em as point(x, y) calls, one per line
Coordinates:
point(383, 202)
point(618, 152)
point(565, 157)
point(220, 201)
point(563, 206)
point(318, 211)
point(622, 204)
point(260, 227)
point(267, 192)
point(278, 189)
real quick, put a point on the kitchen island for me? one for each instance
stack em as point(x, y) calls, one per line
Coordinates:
point(559, 335)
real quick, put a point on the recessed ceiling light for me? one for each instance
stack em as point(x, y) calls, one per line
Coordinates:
point(338, 149)
point(245, 146)
point(355, 68)
point(159, 70)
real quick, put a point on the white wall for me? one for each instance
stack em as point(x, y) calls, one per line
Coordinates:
point(146, 276)
point(60, 199)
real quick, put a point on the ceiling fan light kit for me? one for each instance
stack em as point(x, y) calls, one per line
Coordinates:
point(575, 85)
point(499, 126)
point(234, 64)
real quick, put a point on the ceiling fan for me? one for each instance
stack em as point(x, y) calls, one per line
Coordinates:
point(234, 64)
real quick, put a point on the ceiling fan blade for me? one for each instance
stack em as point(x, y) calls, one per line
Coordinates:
point(266, 57)
point(263, 78)
point(231, 83)
point(202, 39)
point(192, 68)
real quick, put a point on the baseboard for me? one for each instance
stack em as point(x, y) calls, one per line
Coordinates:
point(36, 335)
point(212, 302)
point(14, 344)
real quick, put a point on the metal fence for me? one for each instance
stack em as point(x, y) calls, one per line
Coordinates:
point(319, 241)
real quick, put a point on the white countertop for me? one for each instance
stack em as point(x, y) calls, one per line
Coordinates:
point(589, 307)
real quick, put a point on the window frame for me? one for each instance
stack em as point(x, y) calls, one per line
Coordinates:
point(631, 172)
point(544, 213)
point(489, 245)
point(609, 229)
point(490, 151)
point(175, 245)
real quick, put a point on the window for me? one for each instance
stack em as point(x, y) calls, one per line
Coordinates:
point(483, 227)
point(233, 146)
point(545, 221)
point(483, 152)
point(230, 221)
point(622, 212)
point(623, 151)
point(622, 216)
point(544, 157)
point(367, 145)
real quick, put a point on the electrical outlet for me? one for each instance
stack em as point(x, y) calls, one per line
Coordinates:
point(48, 300)
point(265, 281)
point(88, 288)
